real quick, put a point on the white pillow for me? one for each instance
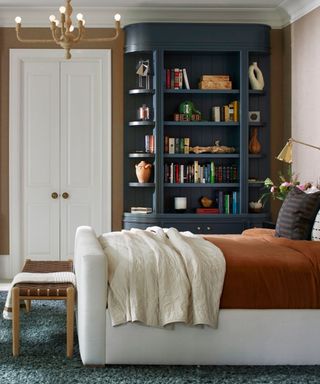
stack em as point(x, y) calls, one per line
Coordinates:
point(315, 233)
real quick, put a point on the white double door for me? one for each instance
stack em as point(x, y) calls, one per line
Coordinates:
point(64, 153)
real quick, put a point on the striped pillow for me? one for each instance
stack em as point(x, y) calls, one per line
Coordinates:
point(315, 234)
point(297, 215)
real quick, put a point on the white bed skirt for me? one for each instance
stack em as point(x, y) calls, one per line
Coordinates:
point(252, 337)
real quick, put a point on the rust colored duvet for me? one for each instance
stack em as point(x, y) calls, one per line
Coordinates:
point(267, 272)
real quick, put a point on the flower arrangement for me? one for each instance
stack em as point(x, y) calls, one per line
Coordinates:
point(281, 191)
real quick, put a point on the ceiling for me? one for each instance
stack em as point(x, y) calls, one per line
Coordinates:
point(99, 13)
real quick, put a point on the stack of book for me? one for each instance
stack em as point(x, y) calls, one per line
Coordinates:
point(149, 143)
point(228, 202)
point(215, 82)
point(228, 112)
point(174, 145)
point(177, 78)
point(141, 210)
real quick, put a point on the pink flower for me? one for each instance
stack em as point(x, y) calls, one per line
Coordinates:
point(273, 189)
point(286, 184)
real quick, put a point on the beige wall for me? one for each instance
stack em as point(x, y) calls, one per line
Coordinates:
point(305, 95)
point(8, 40)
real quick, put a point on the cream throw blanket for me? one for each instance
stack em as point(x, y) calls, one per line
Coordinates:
point(159, 277)
point(27, 277)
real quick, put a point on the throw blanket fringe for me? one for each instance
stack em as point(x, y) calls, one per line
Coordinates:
point(161, 276)
point(27, 277)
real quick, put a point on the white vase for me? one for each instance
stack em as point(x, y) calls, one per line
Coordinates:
point(256, 77)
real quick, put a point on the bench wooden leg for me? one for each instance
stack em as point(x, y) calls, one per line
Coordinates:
point(28, 305)
point(70, 321)
point(15, 321)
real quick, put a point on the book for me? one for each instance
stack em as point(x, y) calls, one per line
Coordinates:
point(141, 210)
point(168, 78)
point(235, 202)
point(185, 78)
point(176, 78)
point(216, 114)
point(221, 201)
point(186, 145)
point(196, 171)
point(151, 143)
point(166, 144)
point(171, 145)
point(227, 204)
point(207, 210)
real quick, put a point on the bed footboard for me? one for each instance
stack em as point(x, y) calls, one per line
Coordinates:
point(91, 270)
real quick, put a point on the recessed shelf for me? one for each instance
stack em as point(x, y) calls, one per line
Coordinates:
point(203, 91)
point(142, 123)
point(202, 156)
point(139, 91)
point(203, 123)
point(141, 185)
point(201, 185)
point(141, 154)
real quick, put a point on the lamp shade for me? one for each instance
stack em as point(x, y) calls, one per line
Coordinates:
point(286, 153)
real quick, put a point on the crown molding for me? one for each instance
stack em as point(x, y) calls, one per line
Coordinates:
point(287, 12)
point(102, 17)
point(298, 8)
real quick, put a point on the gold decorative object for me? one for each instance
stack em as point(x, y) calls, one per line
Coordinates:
point(212, 149)
point(206, 202)
point(143, 171)
point(62, 31)
point(286, 152)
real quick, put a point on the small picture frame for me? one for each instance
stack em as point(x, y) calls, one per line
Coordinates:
point(254, 116)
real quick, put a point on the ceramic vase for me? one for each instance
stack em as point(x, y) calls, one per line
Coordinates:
point(254, 144)
point(143, 171)
point(256, 77)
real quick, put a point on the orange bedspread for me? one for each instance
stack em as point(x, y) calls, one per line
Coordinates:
point(267, 272)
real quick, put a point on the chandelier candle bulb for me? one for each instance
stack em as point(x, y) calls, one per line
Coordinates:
point(62, 9)
point(18, 20)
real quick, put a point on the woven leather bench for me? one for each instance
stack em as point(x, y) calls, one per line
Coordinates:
point(43, 291)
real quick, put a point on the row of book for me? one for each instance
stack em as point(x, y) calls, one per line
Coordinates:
point(228, 112)
point(174, 145)
point(175, 173)
point(177, 78)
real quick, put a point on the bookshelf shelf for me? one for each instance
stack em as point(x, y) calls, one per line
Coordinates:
point(142, 123)
point(196, 53)
point(139, 91)
point(202, 123)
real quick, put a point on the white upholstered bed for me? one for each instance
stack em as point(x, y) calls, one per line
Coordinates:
point(244, 336)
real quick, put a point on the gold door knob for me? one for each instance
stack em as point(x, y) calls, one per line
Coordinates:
point(65, 195)
point(54, 195)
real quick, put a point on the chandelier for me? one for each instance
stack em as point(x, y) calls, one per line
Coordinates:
point(63, 30)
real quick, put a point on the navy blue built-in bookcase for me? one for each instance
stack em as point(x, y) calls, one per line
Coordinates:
point(201, 49)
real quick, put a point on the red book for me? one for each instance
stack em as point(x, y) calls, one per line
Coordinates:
point(177, 178)
point(168, 78)
point(207, 210)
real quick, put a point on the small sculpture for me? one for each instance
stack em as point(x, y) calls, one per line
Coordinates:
point(143, 70)
point(206, 202)
point(143, 171)
point(188, 109)
point(212, 149)
point(256, 77)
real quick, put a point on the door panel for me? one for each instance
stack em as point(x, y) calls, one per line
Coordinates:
point(81, 149)
point(40, 175)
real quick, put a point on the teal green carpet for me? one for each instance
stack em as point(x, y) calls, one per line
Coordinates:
point(43, 360)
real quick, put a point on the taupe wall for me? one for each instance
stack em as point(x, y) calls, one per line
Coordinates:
point(279, 104)
point(8, 40)
point(305, 95)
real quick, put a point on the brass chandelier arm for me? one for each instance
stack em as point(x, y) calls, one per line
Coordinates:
point(80, 33)
point(37, 41)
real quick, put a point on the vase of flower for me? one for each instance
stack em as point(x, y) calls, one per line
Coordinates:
point(254, 144)
point(143, 171)
point(256, 77)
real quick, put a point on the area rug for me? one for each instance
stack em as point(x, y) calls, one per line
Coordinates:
point(42, 360)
